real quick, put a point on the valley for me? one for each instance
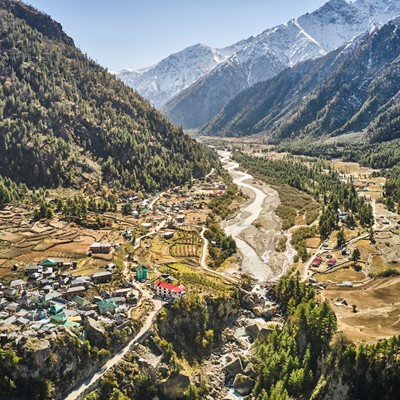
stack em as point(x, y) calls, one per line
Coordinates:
point(240, 242)
point(343, 285)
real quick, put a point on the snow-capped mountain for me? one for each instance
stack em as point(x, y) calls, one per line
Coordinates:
point(209, 78)
point(164, 80)
point(351, 89)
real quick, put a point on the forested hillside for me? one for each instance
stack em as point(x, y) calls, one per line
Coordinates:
point(309, 359)
point(343, 92)
point(65, 120)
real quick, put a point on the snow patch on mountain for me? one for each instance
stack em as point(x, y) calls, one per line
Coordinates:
point(263, 56)
point(162, 81)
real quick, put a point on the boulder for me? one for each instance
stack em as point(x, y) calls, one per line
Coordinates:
point(247, 302)
point(234, 367)
point(175, 387)
point(264, 332)
point(257, 311)
point(95, 332)
point(230, 396)
point(243, 384)
point(250, 371)
point(163, 369)
point(275, 325)
point(253, 330)
point(245, 360)
point(39, 349)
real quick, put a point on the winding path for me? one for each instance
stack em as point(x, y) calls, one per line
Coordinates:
point(91, 383)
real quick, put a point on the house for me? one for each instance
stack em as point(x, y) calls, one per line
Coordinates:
point(168, 235)
point(141, 273)
point(106, 306)
point(58, 319)
point(343, 216)
point(56, 308)
point(12, 308)
point(50, 297)
point(102, 248)
point(102, 277)
point(122, 292)
point(10, 293)
point(17, 284)
point(35, 276)
point(81, 302)
point(52, 262)
point(118, 300)
point(331, 262)
point(317, 262)
point(81, 281)
point(165, 289)
point(127, 234)
point(33, 268)
point(73, 291)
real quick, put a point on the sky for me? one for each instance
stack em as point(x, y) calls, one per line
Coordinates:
point(138, 33)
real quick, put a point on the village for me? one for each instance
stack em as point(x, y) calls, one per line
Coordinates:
point(77, 281)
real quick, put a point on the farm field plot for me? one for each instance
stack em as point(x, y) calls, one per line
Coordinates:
point(185, 250)
point(378, 309)
point(341, 275)
point(196, 280)
point(378, 265)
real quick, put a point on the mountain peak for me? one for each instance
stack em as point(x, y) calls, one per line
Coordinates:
point(256, 58)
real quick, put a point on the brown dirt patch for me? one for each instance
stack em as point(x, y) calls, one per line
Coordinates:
point(365, 249)
point(378, 264)
point(313, 242)
point(378, 305)
point(10, 237)
point(349, 168)
point(342, 275)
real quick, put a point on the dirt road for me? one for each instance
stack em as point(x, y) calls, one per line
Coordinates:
point(91, 383)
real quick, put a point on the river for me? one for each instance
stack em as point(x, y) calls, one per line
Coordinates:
point(252, 263)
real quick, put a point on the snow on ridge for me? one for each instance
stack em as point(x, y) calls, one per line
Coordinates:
point(260, 57)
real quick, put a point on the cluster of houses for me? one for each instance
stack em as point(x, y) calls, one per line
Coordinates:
point(174, 202)
point(50, 298)
point(319, 260)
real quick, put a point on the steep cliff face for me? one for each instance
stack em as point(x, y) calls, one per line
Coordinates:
point(49, 367)
point(194, 325)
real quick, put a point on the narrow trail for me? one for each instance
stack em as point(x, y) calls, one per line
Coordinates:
point(91, 383)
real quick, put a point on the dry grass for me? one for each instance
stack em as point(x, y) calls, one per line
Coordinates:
point(378, 306)
point(365, 248)
point(313, 242)
point(341, 275)
point(184, 250)
point(196, 280)
point(378, 265)
point(350, 168)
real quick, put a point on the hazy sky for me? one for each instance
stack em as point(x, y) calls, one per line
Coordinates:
point(137, 33)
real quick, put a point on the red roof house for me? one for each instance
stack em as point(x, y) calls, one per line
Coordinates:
point(317, 262)
point(331, 262)
point(165, 289)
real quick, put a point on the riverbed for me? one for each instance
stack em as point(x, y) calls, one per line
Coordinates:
point(256, 242)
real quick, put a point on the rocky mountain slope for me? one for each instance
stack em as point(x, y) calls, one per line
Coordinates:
point(64, 120)
point(264, 56)
point(351, 89)
point(162, 81)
